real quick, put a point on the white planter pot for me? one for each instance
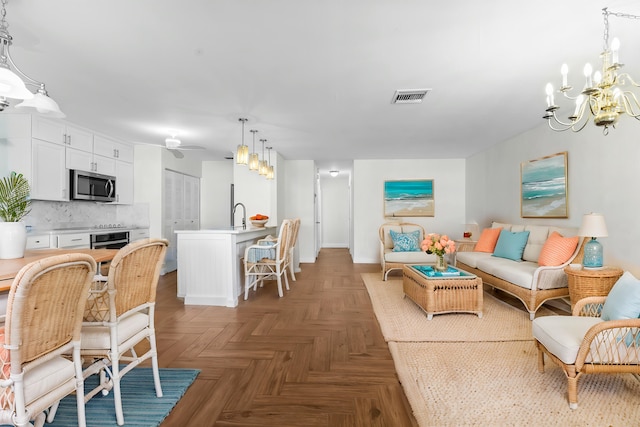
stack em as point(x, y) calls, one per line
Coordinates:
point(13, 239)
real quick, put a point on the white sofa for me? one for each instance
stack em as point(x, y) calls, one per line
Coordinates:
point(526, 280)
point(391, 260)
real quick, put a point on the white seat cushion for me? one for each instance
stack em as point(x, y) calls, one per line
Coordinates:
point(414, 257)
point(97, 337)
point(562, 335)
point(471, 258)
point(46, 377)
point(518, 273)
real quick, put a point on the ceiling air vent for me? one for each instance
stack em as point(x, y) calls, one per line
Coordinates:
point(409, 96)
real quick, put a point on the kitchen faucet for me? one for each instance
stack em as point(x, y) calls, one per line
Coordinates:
point(244, 216)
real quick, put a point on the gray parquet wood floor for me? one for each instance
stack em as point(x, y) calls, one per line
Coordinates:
point(315, 357)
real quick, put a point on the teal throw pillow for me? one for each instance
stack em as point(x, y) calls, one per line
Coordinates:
point(623, 301)
point(511, 244)
point(405, 242)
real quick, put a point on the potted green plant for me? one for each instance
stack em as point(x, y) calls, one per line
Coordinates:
point(15, 204)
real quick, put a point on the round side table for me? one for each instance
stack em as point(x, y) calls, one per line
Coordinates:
point(591, 283)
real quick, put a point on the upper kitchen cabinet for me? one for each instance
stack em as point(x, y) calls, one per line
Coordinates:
point(44, 150)
point(61, 133)
point(110, 148)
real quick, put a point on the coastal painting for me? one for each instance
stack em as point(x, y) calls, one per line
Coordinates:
point(409, 198)
point(544, 187)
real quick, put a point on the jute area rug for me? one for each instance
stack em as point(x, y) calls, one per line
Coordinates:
point(498, 384)
point(401, 319)
point(459, 370)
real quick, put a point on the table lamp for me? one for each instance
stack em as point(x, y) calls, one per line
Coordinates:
point(593, 226)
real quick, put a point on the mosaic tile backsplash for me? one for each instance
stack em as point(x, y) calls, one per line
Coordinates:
point(65, 215)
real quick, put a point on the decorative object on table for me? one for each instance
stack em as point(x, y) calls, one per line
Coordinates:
point(471, 229)
point(439, 245)
point(15, 204)
point(259, 220)
point(606, 94)
point(409, 198)
point(544, 187)
point(593, 226)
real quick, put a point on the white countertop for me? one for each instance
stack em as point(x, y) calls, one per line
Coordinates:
point(40, 231)
point(235, 230)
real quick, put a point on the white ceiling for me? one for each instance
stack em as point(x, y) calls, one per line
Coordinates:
point(314, 77)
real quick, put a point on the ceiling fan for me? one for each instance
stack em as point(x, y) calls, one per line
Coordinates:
point(174, 145)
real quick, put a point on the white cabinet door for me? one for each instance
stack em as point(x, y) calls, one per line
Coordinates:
point(173, 207)
point(124, 183)
point(80, 160)
point(139, 233)
point(48, 130)
point(79, 139)
point(108, 147)
point(49, 178)
point(191, 202)
point(104, 165)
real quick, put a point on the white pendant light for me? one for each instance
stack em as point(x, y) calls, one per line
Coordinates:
point(13, 81)
point(263, 167)
point(242, 155)
point(254, 161)
point(270, 171)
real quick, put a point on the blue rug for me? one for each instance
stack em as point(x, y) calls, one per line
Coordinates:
point(140, 405)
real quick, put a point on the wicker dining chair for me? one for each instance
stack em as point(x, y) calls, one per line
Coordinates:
point(585, 344)
point(295, 228)
point(270, 263)
point(119, 314)
point(40, 357)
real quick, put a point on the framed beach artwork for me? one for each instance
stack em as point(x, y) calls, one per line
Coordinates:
point(409, 198)
point(544, 187)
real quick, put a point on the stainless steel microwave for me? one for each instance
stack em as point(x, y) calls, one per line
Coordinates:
point(92, 186)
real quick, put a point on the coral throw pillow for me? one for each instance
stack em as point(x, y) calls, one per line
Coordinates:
point(557, 250)
point(488, 239)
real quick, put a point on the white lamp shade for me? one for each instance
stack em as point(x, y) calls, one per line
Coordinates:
point(12, 86)
point(242, 156)
point(254, 161)
point(593, 225)
point(43, 105)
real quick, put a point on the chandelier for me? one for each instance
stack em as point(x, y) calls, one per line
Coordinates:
point(13, 81)
point(606, 95)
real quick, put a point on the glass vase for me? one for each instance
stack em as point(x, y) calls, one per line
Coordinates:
point(441, 263)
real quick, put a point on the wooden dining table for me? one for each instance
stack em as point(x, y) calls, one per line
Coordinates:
point(9, 268)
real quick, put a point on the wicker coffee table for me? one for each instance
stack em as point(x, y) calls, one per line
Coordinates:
point(443, 294)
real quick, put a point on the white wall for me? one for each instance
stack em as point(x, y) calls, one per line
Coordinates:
point(215, 194)
point(602, 177)
point(149, 164)
point(335, 211)
point(368, 186)
point(147, 184)
point(299, 203)
point(255, 192)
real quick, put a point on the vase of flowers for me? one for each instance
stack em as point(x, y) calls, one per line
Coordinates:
point(438, 245)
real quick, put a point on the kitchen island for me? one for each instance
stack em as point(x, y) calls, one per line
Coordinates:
point(210, 269)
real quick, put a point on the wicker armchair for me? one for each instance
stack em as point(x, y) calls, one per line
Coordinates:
point(40, 358)
point(119, 314)
point(585, 344)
